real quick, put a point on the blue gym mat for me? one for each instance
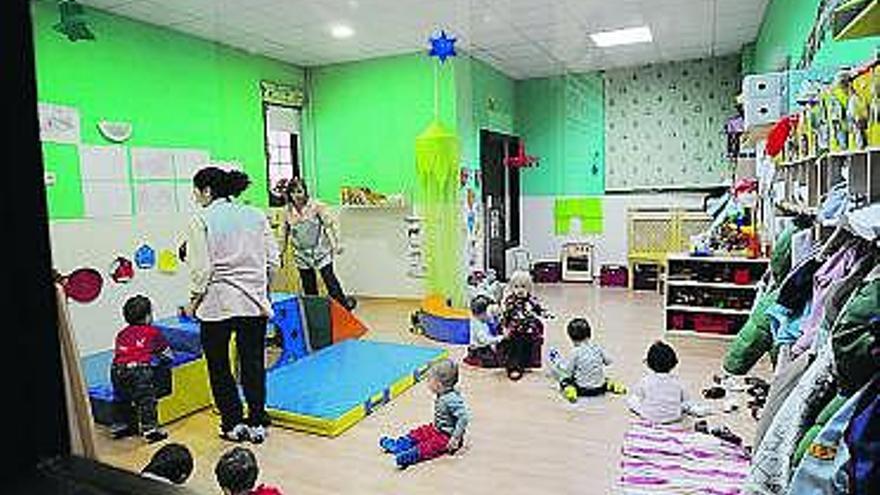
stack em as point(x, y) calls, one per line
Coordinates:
point(331, 389)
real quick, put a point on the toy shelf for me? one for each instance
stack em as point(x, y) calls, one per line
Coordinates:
point(801, 184)
point(710, 296)
point(856, 19)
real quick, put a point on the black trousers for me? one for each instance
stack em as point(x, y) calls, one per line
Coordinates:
point(136, 387)
point(250, 340)
point(310, 282)
point(583, 392)
point(517, 352)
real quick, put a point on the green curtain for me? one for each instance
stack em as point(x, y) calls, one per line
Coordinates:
point(437, 158)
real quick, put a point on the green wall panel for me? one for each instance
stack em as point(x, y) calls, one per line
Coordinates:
point(562, 121)
point(64, 197)
point(364, 119)
point(176, 90)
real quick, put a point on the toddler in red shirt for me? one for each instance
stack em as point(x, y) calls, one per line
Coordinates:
point(140, 351)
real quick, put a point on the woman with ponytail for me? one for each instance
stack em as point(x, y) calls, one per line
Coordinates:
point(315, 238)
point(232, 254)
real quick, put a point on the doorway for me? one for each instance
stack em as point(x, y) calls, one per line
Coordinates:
point(501, 191)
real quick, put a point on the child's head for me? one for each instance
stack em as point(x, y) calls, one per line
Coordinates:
point(173, 461)
point(444, 376)
point(579, 330)
point(661, 357)
point(520, 283)
point(237, 471)
point(480, 307)
point(138, 310)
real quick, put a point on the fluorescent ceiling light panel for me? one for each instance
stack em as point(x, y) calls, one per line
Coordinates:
point(341, 31)
point(627, 36)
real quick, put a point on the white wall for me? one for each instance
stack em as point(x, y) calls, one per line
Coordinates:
point(374, 262)
point(95, 244)
point(610, 246)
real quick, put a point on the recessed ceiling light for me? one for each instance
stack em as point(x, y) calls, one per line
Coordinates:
point(627, 36)
point(341, 31)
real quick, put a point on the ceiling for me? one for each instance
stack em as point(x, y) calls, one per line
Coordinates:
point(523, 38)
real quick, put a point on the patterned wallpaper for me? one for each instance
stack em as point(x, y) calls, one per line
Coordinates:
point(663, 123)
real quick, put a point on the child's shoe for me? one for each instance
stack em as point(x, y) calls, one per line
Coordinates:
point(616, 388)
point(121, 431)
point(155, 435)
point(514, 374)
point(396, 445)
point(407, 458)
point(570, 393)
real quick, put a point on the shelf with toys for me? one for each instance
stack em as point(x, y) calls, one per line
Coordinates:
point(710, 296)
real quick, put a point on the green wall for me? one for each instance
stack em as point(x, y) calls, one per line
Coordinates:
point(485, 100)
point(364, 118)
point(176, 90)
point(562, 119)
point(784, 32)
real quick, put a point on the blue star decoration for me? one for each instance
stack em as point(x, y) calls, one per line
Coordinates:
point(442, 46)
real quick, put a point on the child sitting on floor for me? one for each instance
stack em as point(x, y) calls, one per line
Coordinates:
point(481, 350)
point(173, 463)
point(445, 434)
point(583, 373)
point(524, 331)
point(140, 351)
point(659, 396)
point(237, 473)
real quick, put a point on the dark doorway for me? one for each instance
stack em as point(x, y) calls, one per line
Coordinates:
point(501, 201)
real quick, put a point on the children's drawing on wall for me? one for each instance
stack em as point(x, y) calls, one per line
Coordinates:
point(414, 255)
point(473, 216)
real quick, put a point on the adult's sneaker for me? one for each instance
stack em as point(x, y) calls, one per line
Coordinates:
point(258, 434)
point(238, 433)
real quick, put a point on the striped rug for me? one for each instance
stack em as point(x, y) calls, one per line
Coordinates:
point(666, 459)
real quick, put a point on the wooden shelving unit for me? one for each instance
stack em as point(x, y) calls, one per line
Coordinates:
point(802, 184)
point(702, 297)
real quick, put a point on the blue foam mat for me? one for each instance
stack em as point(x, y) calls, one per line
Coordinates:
point(336, 379)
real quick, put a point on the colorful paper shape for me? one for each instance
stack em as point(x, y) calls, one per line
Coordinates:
point(167, 261)
point(121, 270)
point(145, 257)
point(588, 211)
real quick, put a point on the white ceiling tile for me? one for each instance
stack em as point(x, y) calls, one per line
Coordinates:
point(520, 37)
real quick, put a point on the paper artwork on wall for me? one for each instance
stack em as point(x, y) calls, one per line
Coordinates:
point(145, 257)
point(121, 270)
point(155, 197)
point(106, 199)
point(152, 163)
point(58, 123)
point(587, 212)
point(167, 261)
point(103, 163)
point(188, 162)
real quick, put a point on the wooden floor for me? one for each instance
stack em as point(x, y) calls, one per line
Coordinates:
point(524, 438)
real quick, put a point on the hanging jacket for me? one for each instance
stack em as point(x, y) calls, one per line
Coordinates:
point(835, 267)
point(771, 466)
point(851, 337)
point(822, 470)
point(862, 439)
